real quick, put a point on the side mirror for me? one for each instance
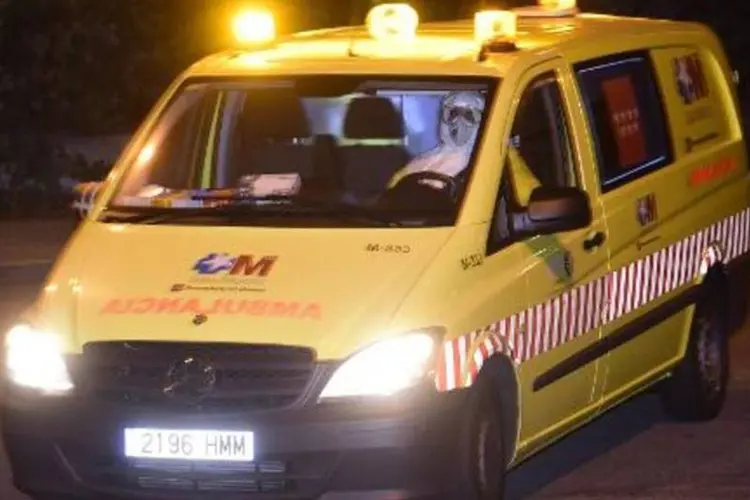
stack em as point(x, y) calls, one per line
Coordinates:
point(553, 210)
point(84, 197)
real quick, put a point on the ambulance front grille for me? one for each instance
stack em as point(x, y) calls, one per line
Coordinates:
point(198, 376)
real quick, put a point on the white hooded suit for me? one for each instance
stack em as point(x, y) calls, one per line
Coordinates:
point(460, 118)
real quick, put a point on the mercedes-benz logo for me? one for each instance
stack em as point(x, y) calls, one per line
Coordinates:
point(190, 379)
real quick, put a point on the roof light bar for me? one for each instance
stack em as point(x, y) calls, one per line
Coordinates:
point(391, 21)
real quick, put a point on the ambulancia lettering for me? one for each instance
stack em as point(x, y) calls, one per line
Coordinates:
point(223, 306)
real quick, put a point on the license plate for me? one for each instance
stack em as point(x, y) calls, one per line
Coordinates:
point(189, 445)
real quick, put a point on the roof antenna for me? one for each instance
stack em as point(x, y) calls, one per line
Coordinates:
point(350, 49)
point(355, 16)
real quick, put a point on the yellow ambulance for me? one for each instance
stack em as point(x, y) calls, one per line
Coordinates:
point(388, 261)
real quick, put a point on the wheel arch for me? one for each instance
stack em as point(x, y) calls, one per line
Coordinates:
point(501, 372)
point(713, 278)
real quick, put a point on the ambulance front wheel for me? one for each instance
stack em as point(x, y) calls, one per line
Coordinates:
point(697, 389)
point(483, 455)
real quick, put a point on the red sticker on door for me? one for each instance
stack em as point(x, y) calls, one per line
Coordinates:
point(626, 120)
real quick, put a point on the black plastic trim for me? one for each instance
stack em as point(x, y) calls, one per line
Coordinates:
point(621, 336)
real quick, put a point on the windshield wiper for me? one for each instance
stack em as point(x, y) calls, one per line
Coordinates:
point(293, 206)
point(149, 215)
point(250, 208)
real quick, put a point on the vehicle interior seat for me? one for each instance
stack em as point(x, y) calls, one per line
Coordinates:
point(373, 148)
point(272, 136)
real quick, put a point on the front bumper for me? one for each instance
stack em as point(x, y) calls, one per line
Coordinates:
point(397, 449)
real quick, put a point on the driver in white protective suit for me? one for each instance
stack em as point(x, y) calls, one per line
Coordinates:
point(460, 118)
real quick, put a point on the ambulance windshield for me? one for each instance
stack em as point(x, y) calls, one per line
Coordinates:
point(310, 150)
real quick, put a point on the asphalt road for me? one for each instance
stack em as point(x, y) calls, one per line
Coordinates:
point(632, 452)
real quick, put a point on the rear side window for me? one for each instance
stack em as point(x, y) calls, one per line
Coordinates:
point(626, 116)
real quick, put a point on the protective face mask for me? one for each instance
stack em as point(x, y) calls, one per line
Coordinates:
point(460, 119)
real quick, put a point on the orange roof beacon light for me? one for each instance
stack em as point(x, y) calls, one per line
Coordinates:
point(254, 26)
point(495, 31)
point(550, 8)
point(495, 24)
point(392, 21)
point(558, 4)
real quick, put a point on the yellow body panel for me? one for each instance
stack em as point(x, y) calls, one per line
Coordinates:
point(329, 290)
point(705, 136)
point(303, 300)
point(557, 268)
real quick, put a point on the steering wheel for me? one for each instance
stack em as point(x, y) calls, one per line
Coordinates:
point(448, 183)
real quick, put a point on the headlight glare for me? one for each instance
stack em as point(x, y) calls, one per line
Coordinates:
point(384, 368)
point(34, 359)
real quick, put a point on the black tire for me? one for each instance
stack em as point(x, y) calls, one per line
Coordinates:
point(482, 447)
point(697, 389)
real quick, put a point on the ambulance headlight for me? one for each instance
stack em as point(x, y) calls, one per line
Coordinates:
point(34, 359)
point(384, 368)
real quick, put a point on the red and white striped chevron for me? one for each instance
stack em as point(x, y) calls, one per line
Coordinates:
point(545, 326)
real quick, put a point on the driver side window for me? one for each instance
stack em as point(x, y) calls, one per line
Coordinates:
point(540, 154)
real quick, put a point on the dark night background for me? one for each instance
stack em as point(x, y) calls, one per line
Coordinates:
point(73, 70)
